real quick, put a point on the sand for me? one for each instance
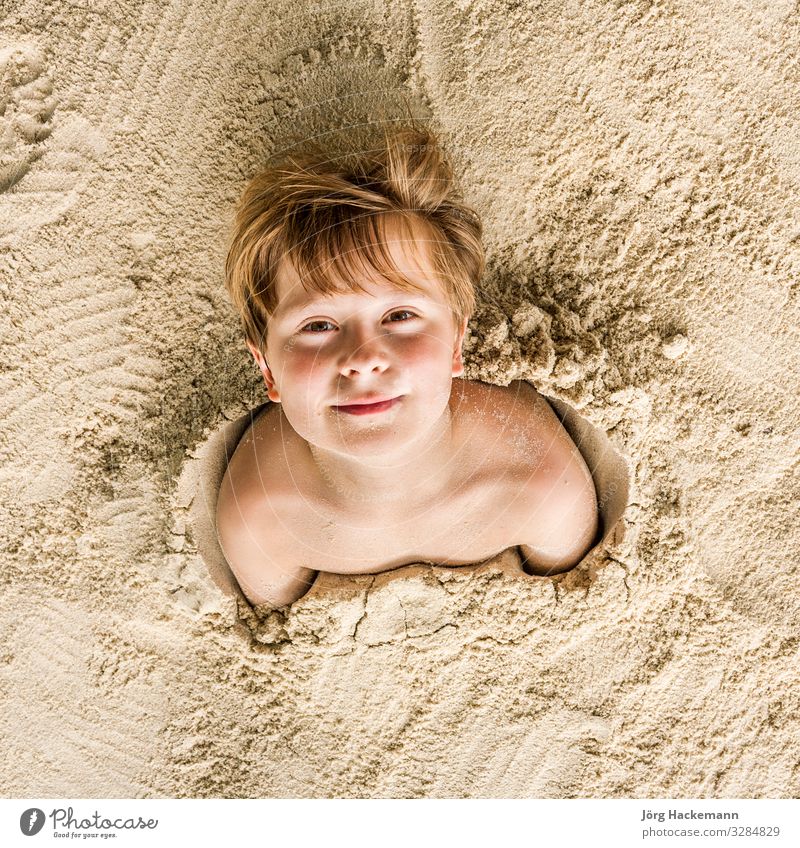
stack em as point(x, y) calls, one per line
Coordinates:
point(637, 168)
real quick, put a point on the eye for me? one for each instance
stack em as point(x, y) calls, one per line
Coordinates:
point(404, 312)
point(312, 323)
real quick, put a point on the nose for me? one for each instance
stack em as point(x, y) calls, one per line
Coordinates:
point(363, 353)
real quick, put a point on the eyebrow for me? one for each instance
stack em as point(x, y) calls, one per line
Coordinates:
point(304, 307)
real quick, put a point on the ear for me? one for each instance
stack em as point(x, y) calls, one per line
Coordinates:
point(458, 363)
point(269, 380)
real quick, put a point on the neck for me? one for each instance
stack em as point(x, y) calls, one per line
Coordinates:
point(414, 474)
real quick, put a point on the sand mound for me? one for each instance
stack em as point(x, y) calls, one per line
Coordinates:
point(637, 167)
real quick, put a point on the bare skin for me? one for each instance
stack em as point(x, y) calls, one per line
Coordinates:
point(502, 437)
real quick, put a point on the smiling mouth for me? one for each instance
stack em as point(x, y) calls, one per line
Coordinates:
point(368, 408)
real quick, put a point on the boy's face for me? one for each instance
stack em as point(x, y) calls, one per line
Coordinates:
point(326, 352)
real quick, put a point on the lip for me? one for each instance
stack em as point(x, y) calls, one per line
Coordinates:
point(369, 408)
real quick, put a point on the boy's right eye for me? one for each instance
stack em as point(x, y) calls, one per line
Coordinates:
point(312, 323)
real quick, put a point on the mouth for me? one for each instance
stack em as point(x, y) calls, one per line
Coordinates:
point(368, 408)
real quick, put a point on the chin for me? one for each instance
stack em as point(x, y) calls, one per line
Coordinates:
point(371, 441)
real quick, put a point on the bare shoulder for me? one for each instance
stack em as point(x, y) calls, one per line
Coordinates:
point(267, 568)
point(558, 517)
point(511, 422)
point(258, 465)
point(250, 532)
point(550, 493)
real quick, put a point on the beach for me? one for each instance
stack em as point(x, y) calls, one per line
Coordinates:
point(636, 169)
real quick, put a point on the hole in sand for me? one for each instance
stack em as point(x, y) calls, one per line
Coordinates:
point(609, 471)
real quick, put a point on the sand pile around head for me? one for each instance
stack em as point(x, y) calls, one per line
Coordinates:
point(637, 169)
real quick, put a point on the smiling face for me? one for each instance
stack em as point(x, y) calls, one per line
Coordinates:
point(324, 352)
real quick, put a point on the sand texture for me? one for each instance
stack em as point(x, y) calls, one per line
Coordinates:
point(637, 169)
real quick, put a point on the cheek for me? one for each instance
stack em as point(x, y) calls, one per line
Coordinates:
point(305, 366)
point(424, 350)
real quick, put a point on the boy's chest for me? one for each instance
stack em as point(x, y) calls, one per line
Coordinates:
point(472, 527)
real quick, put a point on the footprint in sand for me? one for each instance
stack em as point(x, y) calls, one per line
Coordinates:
point(26, 109)
point(65, 151)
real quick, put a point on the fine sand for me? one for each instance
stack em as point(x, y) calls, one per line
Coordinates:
point(637, 169)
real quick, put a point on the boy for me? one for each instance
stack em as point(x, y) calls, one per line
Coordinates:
point(354, 279)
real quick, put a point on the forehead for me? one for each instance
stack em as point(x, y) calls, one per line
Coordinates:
point(409, 250)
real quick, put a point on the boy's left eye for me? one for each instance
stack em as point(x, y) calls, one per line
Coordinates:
point(404, 312)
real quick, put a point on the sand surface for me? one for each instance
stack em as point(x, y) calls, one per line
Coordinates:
point(637, 167)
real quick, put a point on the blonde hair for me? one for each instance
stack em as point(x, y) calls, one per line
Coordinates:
point(327, 215)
